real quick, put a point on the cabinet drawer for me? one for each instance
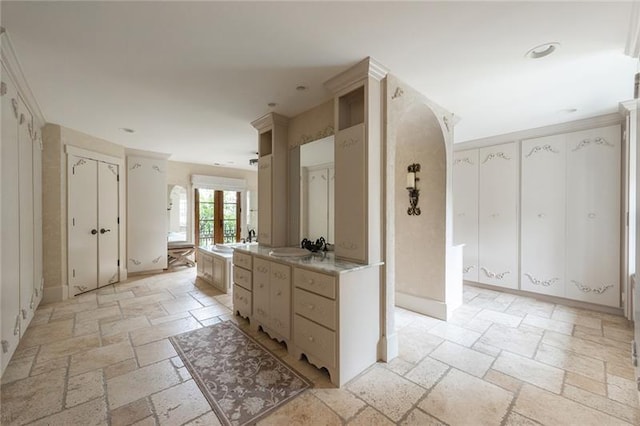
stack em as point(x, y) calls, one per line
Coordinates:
point(322, 284)
point(242, 259)
point(315, 340)
point(242, 277)
point(242, 301)
point(316, 308)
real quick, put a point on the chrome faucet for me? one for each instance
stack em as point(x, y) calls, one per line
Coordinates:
point(252, 235)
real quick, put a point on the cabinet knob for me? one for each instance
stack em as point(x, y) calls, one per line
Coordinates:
point(495, 215)
point(94, 231)
point(261, 285)
point(312, 307)
point(279, 293)
point(591, 215)
point(24, 313)
point(104, 231)
point(540, 215)
point(311, 339)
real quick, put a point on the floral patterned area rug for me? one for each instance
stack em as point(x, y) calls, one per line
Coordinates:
point(242, 380)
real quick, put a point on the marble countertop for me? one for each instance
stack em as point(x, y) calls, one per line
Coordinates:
point(212, 250)
point(325, 262)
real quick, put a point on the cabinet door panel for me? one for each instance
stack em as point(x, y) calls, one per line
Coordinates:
point(219, 269)
point(465, 209)
point(108, 238)
point(593, 218)
point(543, 215)
point(27, 295)
point(261, 272)
point(83, 220)
point(351, 194)
point(280, 298)
point(498, 232)
point(264, 199)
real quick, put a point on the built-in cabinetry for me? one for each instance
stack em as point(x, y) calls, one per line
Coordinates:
point(146, 211)
point(465, 209)
point(214, 268)
point(21, 269)
point(569, 218)
point(329, 313)
point(272, 179)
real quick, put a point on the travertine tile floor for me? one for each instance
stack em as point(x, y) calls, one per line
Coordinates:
point(104, 358)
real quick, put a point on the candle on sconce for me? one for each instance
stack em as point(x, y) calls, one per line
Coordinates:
point(411, 180)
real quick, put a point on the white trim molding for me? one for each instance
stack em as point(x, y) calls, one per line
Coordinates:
point(423, 305)
point(368, 67)
point(632, 48)
point(218, 183)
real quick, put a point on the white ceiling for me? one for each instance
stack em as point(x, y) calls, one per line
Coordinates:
point(190, 77)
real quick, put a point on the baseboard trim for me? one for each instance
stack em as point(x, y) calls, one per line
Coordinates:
point(388, 347)
point(54, 294)
point(422, 305)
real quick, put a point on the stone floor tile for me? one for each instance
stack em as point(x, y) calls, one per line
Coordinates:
point(86, 327)
point(570, 361)
point(486, 349)
point(576, 317)
point(131, 413)
point(25, 352)
point(455, 334)
point(586, 347)
point(624, 335)
point(123, 325)
point(399, 366)
point(19, 405)
point(499, 318)
point(427, 372)
point(17, 369)
point(515, 419)
point(162, 331)
point(476, 324)
point(72, 308)
point(523, 306)
point(84, 387)
point(530, 371)
point(306, 409)
point(41, 316)
point(147, 299)
point(100, 357)
point(585, 383)
point(622, 390)
point(413, 345)
point(180, 304)
point(210, 321)
point(169, 318)
point(209, 419)
point(465, 359)
point(151, 310)
point(419, 418)
point(511, 339)
point(120, 368)
point(66, 347)
point(209, 311)
point(504, 381)
point(344, 403)
point(548, 324)
point(179, 404)
point(550, 409)
point(386, 391)
point(598, 338)
point(625, 370)
point(184, 374)
point(45, 367)
point(483, 402)
point(114, 297)
point(111, 312)
point(139, 383)
point(486, 301)
point(47, 333)
point(154, 352)
point(602, 403)
point(93, 413)
point(370, 417)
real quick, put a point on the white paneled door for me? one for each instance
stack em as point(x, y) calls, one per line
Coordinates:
point(465, 209)
point(93, 224)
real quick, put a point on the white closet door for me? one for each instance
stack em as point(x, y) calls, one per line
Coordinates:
point(108, 228)
point(83, 219)
point(10, 229)
point(498, 221)
point(264, 199)
point(593, 216)
point(316, 209)
point(465, 209)
point(37, 219)
point(543, 215)
point(331, 203)
point(27, 295)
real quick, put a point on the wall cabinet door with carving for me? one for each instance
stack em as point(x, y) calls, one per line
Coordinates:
point(465, 209)
point(593, 216)
point(543, 215)
point(498, 215)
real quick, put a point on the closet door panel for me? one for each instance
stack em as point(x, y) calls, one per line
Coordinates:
point(264, 199)
point(465, 209)
point(108, 228)
point(498, 221)
point(593, 218)
point(543, 215)
point(82, 224)
point(37, 222)
point(10, 230)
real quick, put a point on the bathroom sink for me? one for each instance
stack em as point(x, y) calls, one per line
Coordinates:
point(223, 248)
point(289, 252)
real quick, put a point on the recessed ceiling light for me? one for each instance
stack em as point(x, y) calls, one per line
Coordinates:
point(231, 162)
point(569, 110)
point(301, 88)
point(216, 164)
point(272, 104)
point(127, 130)
point(542, 50)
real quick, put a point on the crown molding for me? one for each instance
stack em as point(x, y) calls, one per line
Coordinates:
point(148, 154)
point(12, 65)
point(538, 132)
point(626, 106)
point(632, 48)
point(368, 67)
point(269, 120)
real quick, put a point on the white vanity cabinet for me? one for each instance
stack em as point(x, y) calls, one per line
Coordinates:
point(498, 215)
point(543, 230)
point(215, 268)
point(593, 216)
point(272, 298)
point(465, 209)
point(242, 284)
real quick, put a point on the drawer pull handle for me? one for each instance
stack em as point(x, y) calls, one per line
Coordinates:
point(5, 346)
point(278, 293)
point(261, 285)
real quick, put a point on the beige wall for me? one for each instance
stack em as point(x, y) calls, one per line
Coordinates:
point(311, 125)
point(54, 201)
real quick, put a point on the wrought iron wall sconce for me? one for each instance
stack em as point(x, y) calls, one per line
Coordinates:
point(414, 192)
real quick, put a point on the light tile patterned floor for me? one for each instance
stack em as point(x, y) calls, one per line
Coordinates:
point(104, 358)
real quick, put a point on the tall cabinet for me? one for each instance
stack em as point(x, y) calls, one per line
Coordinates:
point(21, 227)
point(465, 209)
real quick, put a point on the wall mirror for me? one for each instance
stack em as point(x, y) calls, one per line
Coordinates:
point(317, 179)
point(177, 213)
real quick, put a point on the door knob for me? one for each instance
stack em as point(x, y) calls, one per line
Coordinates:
point(103, 231)
point(94, 231)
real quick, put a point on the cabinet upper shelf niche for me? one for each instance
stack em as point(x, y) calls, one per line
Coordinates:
point(265, 143)
point(351, 109)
